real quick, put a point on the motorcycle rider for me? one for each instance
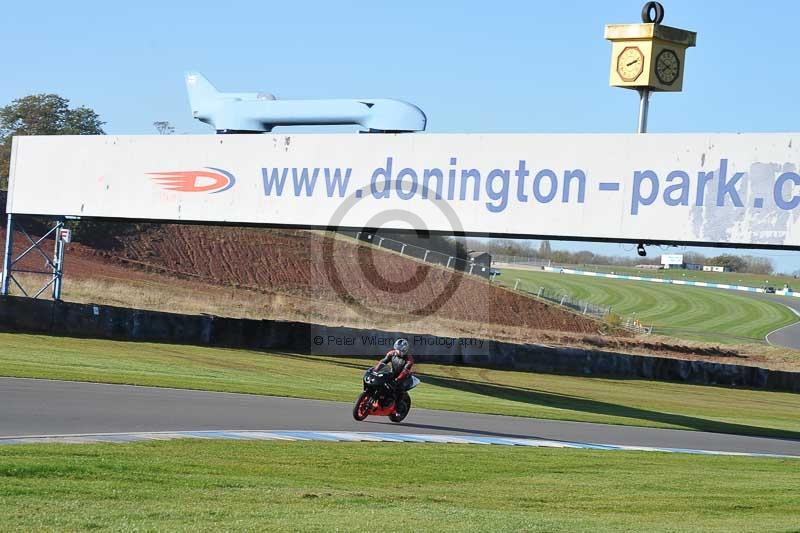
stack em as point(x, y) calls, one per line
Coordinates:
point(402, 362)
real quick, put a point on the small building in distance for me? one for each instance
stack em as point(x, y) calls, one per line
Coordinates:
point(715, 268)
point(481, 263)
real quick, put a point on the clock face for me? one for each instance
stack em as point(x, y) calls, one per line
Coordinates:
point(668, 66)
point(630, 63)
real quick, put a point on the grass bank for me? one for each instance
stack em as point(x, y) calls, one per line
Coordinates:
point(614, 401)
point(713, 315)
point(299, 486)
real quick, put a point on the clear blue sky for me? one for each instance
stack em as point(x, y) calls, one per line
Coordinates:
point(527, 66)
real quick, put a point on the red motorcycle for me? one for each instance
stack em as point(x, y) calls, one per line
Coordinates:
point(381, 397)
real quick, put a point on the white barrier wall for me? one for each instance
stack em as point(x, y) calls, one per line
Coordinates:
point(699, 188)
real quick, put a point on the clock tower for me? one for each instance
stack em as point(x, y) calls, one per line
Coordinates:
point(649, 55)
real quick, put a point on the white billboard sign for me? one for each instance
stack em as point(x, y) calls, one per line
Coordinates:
point(697, 188)
point(671, 259)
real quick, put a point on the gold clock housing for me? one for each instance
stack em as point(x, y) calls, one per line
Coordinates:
point(662, 50)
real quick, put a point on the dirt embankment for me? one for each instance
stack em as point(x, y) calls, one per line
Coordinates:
point(335, 269)
point(375, 284)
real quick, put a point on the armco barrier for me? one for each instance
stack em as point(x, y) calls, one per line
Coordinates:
point(87, 320)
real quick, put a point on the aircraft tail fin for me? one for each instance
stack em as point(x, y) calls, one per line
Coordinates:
point(201, 92)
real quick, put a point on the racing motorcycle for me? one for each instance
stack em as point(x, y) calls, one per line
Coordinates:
point(381, 397)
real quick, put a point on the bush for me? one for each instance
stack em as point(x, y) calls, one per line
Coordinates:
point(613, 320)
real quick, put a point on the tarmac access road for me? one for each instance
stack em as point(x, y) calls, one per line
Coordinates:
point(35, 407)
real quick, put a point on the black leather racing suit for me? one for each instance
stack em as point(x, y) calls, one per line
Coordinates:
point(401, 368)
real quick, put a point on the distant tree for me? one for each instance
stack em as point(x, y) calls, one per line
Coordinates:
point(51, 114)
point(584, 257)
point(694, 258)
point(758, 265)
point(451, 246)
point(163, 127)
point(504, 247)
point(545, 251)
point(42, 114)
point(561, 257)
point(733, 262)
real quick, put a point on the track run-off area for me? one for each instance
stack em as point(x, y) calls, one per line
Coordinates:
point(62, 411)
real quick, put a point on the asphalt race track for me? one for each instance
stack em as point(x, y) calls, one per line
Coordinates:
point(788, 336)
point(31, 407)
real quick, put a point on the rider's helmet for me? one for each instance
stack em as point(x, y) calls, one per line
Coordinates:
point(401, 345)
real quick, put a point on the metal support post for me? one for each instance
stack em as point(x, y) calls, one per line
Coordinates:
point(448, 261)
point(516, 284)
point(644, 108)
point(402, 249)
point(425, 259)
point(9, 252)
point(58, 270)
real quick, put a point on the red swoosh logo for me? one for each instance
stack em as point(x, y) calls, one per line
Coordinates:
point(186, 181)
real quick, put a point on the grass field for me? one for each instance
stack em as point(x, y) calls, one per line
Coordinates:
point(689, 312)
point(628, 402)
point(296, 486)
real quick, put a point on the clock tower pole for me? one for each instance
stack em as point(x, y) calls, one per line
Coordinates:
point(644, 108)
point(648, 57)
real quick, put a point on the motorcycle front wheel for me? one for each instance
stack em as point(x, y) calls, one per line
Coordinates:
point(361, 407)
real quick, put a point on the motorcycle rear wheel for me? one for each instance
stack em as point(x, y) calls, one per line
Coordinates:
point(403, 407)
point(361, 407)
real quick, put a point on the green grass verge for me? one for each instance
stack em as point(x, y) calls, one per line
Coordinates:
point(688, 312)
point(300, 486)
point(614, 401)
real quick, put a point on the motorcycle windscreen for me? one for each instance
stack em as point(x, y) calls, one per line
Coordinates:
point(414, 382)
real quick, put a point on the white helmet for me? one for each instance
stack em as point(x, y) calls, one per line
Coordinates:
point(401, 345)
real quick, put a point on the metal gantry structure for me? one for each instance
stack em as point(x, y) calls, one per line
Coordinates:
point(53, 265)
